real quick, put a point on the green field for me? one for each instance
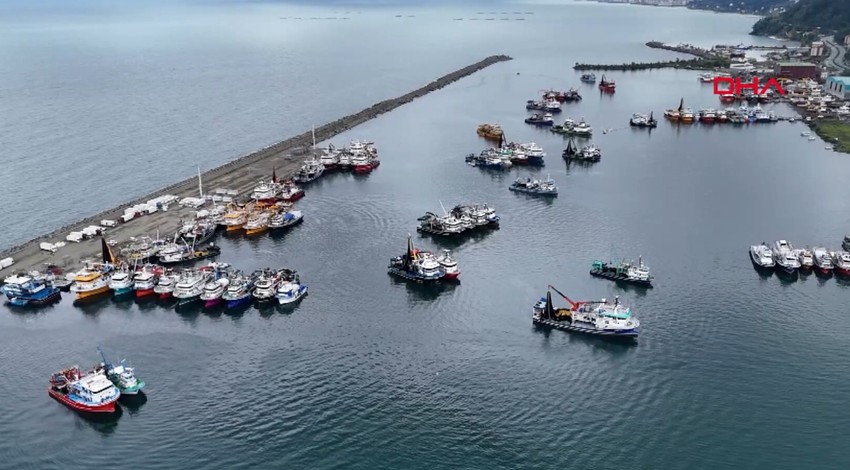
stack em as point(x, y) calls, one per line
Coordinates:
point(835, 132)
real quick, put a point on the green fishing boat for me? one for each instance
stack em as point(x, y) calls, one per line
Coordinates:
point(123, 377)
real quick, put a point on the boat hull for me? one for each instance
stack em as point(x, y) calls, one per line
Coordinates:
point(236, 303)
point(294, 197)
point(166, 295)
point(408, 276)
point(233, 227)
point(566, 326)
point(212, 303)
point(620, 278)
point(122, 291)
point(451, 276)
point(91, 293)
point(49, 299)
point(141, 293)
point(188, 300)
point(533, 192)
point(256, 231)
point(108, 407)
point(758, 265)
point(824, 272)
point(842, 271)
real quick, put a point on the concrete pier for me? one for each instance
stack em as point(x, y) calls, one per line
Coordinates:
point(241, 174)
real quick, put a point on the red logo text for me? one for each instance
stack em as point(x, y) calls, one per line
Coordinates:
point(734, 86)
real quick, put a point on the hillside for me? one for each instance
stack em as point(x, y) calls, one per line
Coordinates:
point(806, 15)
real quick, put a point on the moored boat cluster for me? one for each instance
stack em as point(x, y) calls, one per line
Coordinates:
point(460, 220)
point(790, 262)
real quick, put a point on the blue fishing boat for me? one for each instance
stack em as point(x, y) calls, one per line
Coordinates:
point(29, 291)
point(240, 290)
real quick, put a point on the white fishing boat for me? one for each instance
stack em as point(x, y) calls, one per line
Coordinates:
point(785, 257)
point(190, 285)
point(265, 191)
point(121, 281)
point(291, 290)
point(761, 256)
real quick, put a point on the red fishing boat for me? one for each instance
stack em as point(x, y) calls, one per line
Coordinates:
point(290, 192)
point(608, 86)
point(91, 393)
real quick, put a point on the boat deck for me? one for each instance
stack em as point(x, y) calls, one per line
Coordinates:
point(613, 276)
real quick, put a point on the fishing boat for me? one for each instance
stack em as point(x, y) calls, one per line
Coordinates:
point(806, 259)
point(23, 290)
point(435, 225)
point(675, 114)
point(533, 186)
point(215, 289)
point(239, 291)
point(762, 256)
point(142, 250)
point(310, 171)
point(190, 285)
point(330, 158)
point(539, 119)
point(600, 318)
point(144, 282)
point(90, 393)
point(686, 116)
point(290, 192)
point(164, 288)
point(291, 290)
point(642, 120)
point(285, 220)
point(265, 287)
point(122, 376)
point(547, 105)
point(491, 159)
point(450, 265)
point(607, 86)
point(265, 191)
point(845, 244)
point(707, 116)
point(623, 272)
point(198, 232)
point(530, 152)
point(785, 258)
point(562, 96)
point(234, 219)
point(591, 153)
point(360, 163)
point(588, 78)
point(571, 151)
point(841, 263)
point(93, 279)
point(822, 261)
point(414, 267)
point(707, 77)
point(490, 131)
point(121, 282)
point(257, 224)
point(193, 254)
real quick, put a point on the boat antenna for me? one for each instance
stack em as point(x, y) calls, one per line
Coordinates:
point(103, 356)
point(200, 185)
point(444, 209)
point(313, 130)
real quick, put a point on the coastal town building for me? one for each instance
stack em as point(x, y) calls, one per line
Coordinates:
point(796, 70)
point(816, 49)
point(838, 87)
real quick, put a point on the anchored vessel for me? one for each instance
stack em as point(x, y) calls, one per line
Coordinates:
point(534, 186)
point(239, 291)
point(490, 131)
point(268, 280)
point(291, 290)
point(761, 256)
point(145, 280)
point(822, 260)
point(29, 291)
point(642, 120)
point(599, 318)
point(285, 220)
point(461, 219)
point(123, 377)
point(625, 272)
point(121, 282)
point(91, 392)
point(416, 266)
point(785, 257)
point(607, 86)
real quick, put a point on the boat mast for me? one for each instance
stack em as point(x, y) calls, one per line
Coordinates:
point(103, 356)
point(313, 130)
point(444, 209)
point(200, 185)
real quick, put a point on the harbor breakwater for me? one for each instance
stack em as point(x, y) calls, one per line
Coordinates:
point(704, 60)
point(29, 254)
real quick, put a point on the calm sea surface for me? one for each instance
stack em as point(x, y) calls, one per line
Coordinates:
point(733, 370)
